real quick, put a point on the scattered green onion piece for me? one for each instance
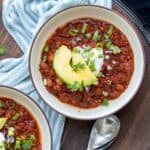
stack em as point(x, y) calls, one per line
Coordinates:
point(16, 116)
point(101, 56)
point(11, 131)
point(99, 46)
point(2, 50)
point(96, 36)
point(3, 121)
point(92, 65)
point(46, 48)
point(18, 144)
point(110, 30)
point(2, 104)
point(88, 35)
point(108, 82)
point(77, 67)
point(90, 55)
point(76, 86)
point(84, 27)
point(31, 136)
point(100, 74)
point(108, 44)
point(115, 49)
point(105, 102)
point(105, 93)
point(75, 49)
point(73, 32)
point(106, 38)
point(44, 59)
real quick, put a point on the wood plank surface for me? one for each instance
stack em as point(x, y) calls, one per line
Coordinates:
point(135, 117)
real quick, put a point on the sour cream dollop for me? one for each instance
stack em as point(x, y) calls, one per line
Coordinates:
point(93, 55)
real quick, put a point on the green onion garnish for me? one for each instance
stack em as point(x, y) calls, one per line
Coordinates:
point(115, 49)
point(46, 48)
point(16, 116)
point(100, 74)
point(105, 93)
point(108, 44)
point(92, 65)
point(96, 36)
point(2, 104)
point(110, 30)
point(106, 38)
point(73, 32)
point(90, 55)
point(108, 82)
point(88, 35)
point(105, 102)
point(2, 50)
point(101, 56)
point(75, 49)
point(76, 86)
point(99, 46)
point(84, 27)
point(77, 67)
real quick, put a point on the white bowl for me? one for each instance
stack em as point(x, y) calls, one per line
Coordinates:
point(34, 109)
point(99, 13)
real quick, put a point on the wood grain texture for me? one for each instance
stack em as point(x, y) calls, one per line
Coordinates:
point(135, 117)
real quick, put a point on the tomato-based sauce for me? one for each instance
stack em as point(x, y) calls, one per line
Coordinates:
point(116, 70)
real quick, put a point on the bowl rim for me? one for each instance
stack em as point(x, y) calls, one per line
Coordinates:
point(111, 11)
point(40, 109)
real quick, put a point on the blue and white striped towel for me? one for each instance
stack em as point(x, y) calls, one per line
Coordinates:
point(22, 18)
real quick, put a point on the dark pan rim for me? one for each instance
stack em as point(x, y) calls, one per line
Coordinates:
point(30, 99)
point(110, 10)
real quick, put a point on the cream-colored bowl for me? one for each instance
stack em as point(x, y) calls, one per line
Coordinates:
point(99, 13)
point(34, 109)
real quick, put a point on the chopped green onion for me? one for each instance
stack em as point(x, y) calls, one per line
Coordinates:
point(18, 144)
point(77, 67)
point(44, 59)
point(100, 74)
point(108, 82)
point(76, 86)
point(92, 65)
point(46, 48)
point(96, 36)
point(73, 32)
point(110, 30)
point(115, 49)
point(105, 93)
point(88, 35)
point(75, 49)
point(101, 56)
point(90, 55)
point(3, 121)
point(16, 116)
point(108, 44)
point(105, 102)
point(2, 104)
point(106, 38)
point(84, 27)
point(2, 50)
point(31, 136)
point(11, 131)
point(99, 46)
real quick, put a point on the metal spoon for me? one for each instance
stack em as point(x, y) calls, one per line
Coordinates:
point(104, 133)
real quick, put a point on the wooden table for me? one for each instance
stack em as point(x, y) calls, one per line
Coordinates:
point(135, 117)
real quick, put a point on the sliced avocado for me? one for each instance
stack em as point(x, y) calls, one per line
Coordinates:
point(2, 122)
point(64, 70)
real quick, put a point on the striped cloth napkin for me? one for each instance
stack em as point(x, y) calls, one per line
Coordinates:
point(22, 19)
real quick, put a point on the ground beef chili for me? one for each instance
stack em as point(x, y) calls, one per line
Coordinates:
point(20, 130)
point(117, 69)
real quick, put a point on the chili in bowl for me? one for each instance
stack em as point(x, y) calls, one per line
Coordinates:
point(23, 126)
point(84, 62)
